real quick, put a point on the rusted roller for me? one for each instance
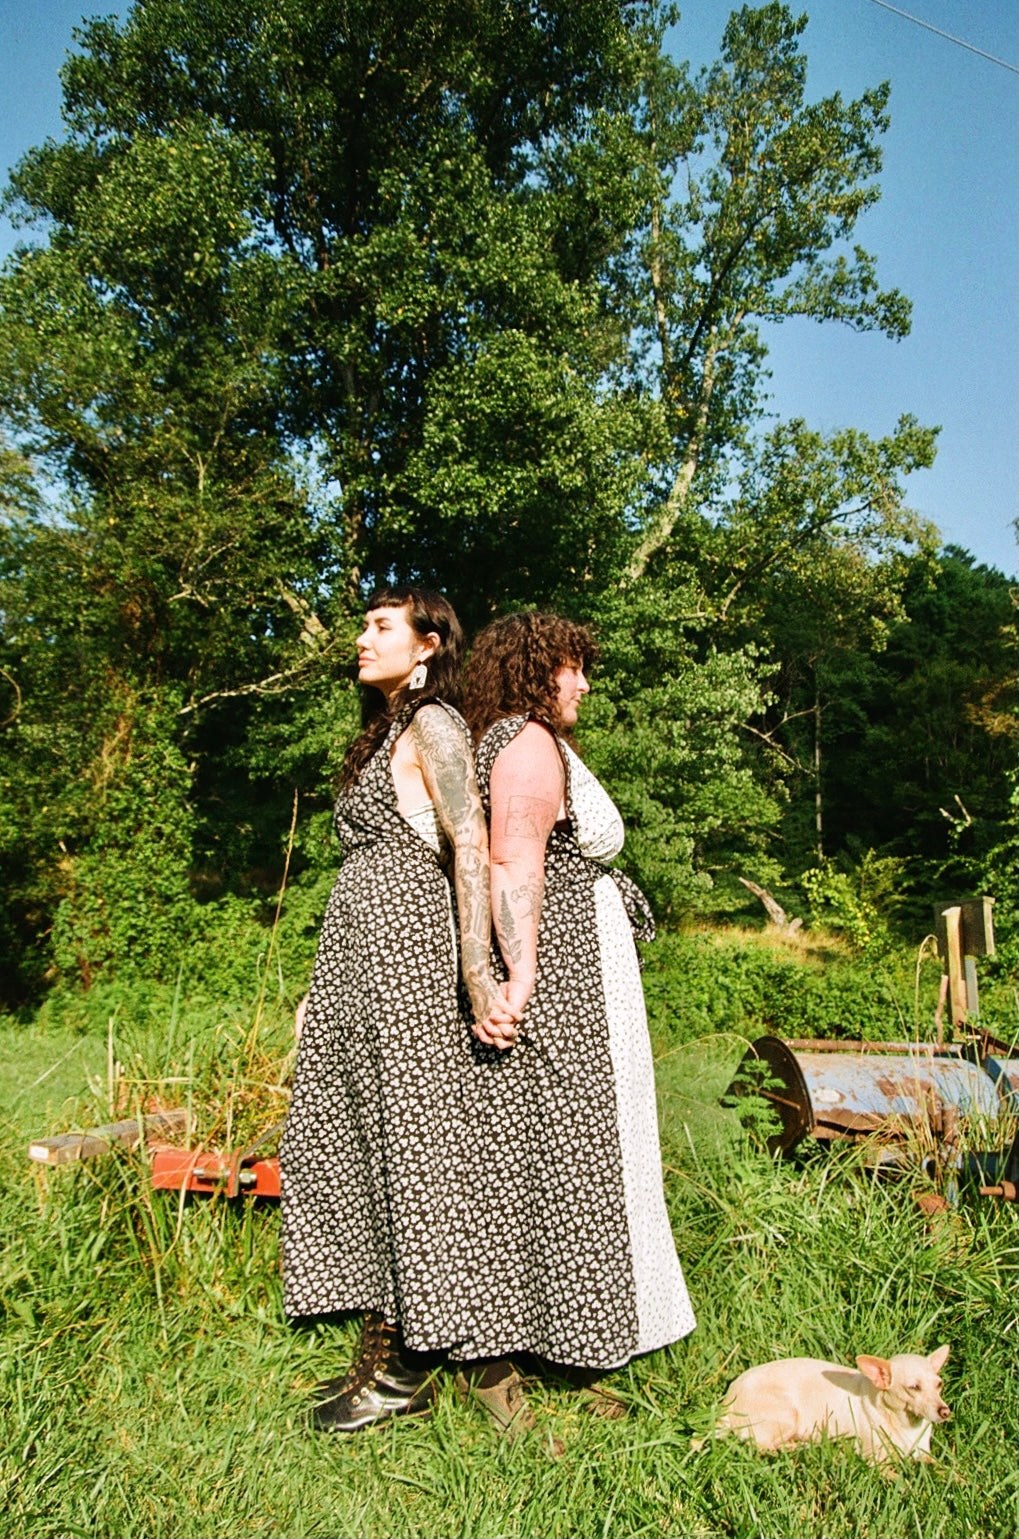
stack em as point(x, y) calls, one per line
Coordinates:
point(833, 1090)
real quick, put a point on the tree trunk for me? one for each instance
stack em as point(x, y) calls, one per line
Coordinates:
point(818, 807)
point(664, 521)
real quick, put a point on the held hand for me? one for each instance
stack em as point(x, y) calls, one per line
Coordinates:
point(496, 1020)
point(488, 1001)
point(516, 993)
point(495, 1034)
point(299, 1014)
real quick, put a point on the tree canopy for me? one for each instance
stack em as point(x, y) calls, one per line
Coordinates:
point(323, 294)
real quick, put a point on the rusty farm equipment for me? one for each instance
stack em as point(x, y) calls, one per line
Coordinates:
point(204, 1172)
point(908, 1102)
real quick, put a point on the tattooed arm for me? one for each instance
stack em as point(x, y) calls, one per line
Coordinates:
point(528, 782)
point(448, 772)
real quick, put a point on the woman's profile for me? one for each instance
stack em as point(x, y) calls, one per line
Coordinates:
point(579, 1265)
point(373, 1158)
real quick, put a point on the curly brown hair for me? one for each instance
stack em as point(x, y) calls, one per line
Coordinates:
point(428, 613)
point(513, 666)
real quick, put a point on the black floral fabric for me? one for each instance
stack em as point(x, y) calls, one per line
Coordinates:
point(550, 1231)
point(374, 1188)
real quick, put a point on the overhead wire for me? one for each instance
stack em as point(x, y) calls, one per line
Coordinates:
point(938, 32)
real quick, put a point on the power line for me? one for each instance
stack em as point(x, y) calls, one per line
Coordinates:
point(937, 30)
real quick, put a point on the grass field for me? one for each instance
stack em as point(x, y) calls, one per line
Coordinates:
point(151, 1388)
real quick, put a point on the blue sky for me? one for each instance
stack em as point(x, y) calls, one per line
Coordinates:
point(946, 231)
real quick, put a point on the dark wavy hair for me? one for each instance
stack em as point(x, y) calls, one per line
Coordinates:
point(428, 613)
point(513, 666)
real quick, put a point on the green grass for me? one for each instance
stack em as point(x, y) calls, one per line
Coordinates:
point(151, 1387)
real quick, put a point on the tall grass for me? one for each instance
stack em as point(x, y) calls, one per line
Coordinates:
point(150, 1386)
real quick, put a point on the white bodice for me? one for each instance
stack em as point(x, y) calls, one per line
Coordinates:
point(597, 825)
point(424, 820)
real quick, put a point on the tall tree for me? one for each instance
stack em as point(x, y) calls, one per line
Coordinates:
point(301, 324)
point(784, 544)
point(755, 195)
point(398, 196)
point(808, 562)
point(921, 737)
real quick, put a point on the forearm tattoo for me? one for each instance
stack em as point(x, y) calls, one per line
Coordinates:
point(449, 775)
point(509, 940)
point(516, 916)
point(526, 898)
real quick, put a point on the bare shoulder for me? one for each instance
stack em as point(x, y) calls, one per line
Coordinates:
point(534, 743)
point(531, 764)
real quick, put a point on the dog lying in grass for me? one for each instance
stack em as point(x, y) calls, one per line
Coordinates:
point(887, 1405)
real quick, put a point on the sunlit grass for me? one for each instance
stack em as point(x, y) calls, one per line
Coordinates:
point(151, 1387)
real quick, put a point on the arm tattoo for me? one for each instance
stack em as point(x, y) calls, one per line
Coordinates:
point(449, 776)
point(509, 940)
point(517, 912)
point(527, 898)
point(446, 762)
point(527, 817)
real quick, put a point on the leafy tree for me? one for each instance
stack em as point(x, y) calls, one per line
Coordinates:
point(397, 194)
point(929, 720)
point(301, 324)
point(755, 195)
point(809, 561)
point(786, 545)
point(663, 728)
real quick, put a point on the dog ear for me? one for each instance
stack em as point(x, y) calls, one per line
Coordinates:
point(877, 1369)
point(938, 1359)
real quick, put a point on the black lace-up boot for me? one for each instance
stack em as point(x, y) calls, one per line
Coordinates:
point(384, 1380)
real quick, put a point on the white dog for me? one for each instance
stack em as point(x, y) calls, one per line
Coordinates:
point(888, 1405)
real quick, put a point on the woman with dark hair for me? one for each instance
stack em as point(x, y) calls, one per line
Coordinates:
point(373, 1158)
point(579, 1262)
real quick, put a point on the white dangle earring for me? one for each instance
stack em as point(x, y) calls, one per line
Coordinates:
point(419, 678)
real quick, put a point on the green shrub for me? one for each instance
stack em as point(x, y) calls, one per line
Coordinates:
point(702, 982)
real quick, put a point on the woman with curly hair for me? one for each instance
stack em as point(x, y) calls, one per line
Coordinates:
point(374, 1160)
point(574, 1245)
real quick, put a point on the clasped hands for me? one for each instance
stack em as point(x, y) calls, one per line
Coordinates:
point(500, 1027)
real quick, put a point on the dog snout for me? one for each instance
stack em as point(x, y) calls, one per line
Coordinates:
point(944, 1412)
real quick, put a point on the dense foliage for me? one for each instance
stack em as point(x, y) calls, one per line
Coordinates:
point(321, 292)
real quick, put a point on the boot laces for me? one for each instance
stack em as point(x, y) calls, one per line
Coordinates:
point(378, 1345)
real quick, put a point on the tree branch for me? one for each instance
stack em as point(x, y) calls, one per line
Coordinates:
point(776, 913)
point(274, 684)
point(313, 632)
point(17, 708)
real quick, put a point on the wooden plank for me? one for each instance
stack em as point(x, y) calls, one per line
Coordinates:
point(956, 974)
point(969, 973)
point(977, 927)
point(62, 1148)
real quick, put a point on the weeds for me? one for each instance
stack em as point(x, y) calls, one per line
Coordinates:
point(151, 1386)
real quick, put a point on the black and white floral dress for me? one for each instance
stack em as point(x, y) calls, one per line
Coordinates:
point(572, 1248)
point(374, 1192)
